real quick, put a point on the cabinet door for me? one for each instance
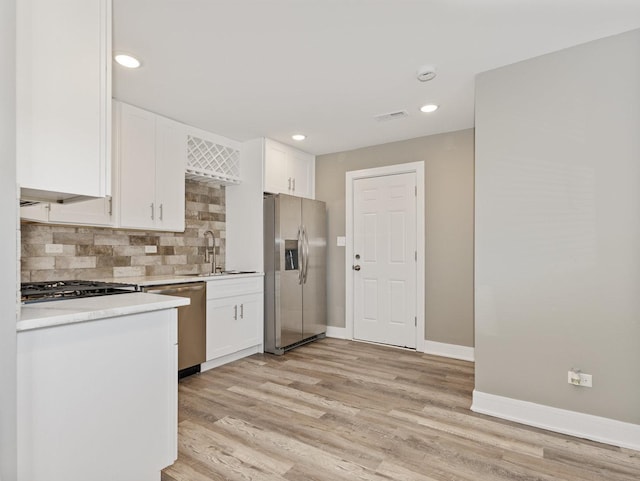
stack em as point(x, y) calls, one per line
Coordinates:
point(63, 97)
point(277, 178)
point(288, 170)
point(37, 212)
point(221, 313)
point(250, 325)
point(89, 212)
point(136, 184)
point(233, 324)
point(171, 153)
point(302, 171)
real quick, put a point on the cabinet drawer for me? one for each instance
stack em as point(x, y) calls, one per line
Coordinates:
point(233, 286)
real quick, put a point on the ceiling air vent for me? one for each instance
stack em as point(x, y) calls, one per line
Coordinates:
point(400, 114)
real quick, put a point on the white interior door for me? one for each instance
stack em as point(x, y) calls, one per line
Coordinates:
point(384, 259)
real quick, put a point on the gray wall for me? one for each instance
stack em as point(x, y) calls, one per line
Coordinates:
point(449, 226)
point(8, 262)
point(558, 228)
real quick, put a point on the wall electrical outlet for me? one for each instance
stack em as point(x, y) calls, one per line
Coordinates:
point(150, 249)
point(578, 378)
point(53, 248)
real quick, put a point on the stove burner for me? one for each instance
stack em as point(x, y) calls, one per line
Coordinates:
point(55, 290)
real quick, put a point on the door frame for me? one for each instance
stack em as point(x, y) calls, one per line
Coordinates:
point(351, 176)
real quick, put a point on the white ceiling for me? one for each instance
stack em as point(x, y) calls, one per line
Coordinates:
point(252, 68)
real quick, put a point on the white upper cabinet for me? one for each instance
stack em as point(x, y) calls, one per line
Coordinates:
point(288, 170)
point(150, 153)
point(96, 212)
point(89, 212)
point(277, 178)
point(171, 154)
point(63, 98)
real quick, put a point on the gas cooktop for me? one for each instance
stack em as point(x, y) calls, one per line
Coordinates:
point(73, 289)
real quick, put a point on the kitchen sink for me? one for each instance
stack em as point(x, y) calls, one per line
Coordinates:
point(223, 273)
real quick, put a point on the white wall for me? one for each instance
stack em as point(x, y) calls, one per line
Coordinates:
point(8, 265)
point(557, 254)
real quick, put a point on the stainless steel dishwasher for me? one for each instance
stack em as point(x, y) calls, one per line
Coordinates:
point(192, 324)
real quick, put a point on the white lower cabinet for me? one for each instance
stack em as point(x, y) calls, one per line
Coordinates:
point(98, 400)
point(234, 315)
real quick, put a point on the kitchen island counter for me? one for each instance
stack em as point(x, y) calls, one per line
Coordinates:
point(70, 311)
point(97, 388)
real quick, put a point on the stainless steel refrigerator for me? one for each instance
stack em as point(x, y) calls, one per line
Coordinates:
point(295, 253)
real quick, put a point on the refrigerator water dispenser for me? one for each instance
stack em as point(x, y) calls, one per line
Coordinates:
point(291, 255)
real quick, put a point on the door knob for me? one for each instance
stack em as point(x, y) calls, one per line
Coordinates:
point(356, 267)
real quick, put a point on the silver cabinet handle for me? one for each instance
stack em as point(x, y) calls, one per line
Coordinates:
point(110, 205)
point(241, 311)
point(161, 211)
point(289, 183)
point(152, 212)
point(294, 184)
point(235, 312)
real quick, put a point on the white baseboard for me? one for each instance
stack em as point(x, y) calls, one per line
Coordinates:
point(454, 351)
point(230, 357)
point(596, 428)
point(337, 332)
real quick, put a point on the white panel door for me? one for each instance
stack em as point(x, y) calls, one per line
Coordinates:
point(384, 236)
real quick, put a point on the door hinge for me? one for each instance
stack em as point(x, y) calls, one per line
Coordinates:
point(415, 191)
point(415, 255)
point(415, 321)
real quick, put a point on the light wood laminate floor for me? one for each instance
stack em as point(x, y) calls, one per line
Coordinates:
point(341, 410)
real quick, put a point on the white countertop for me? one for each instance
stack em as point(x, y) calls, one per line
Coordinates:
point(56, 313)
point(176, 279)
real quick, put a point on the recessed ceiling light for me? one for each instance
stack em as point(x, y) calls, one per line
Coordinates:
point(127, 60)
point(298, 137)
point(427, 109)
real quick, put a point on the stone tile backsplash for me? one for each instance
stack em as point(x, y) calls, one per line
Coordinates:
point(97, 253)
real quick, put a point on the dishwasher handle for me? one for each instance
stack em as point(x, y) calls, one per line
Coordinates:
point(175, 290)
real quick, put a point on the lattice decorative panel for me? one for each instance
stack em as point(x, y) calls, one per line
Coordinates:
point(212, 163)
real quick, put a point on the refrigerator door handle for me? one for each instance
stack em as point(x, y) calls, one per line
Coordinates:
point(306, 255)
point(300, 255)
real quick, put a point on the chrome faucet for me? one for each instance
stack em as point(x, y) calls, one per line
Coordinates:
point(210, 252)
